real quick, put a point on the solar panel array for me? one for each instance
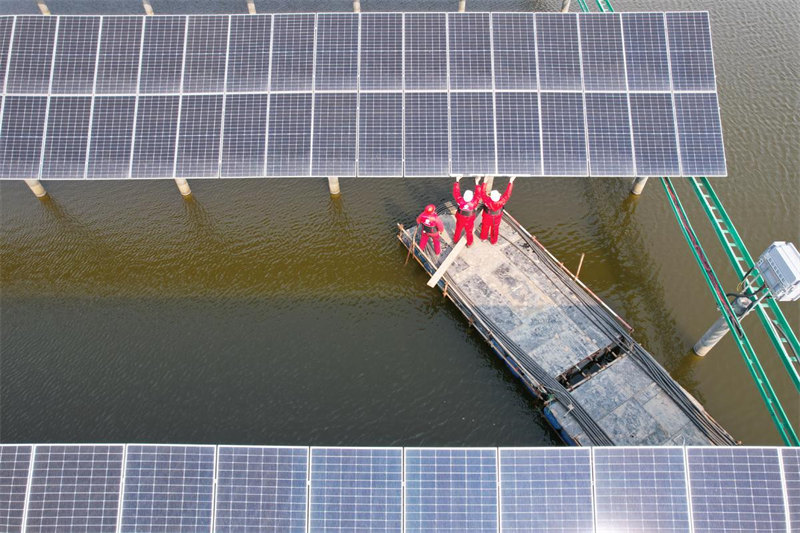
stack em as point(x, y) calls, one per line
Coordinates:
point(372, 94)
point(92, 487)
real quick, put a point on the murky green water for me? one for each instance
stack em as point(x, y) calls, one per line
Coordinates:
point(262, 311)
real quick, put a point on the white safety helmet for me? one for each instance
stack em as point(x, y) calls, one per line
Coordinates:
point(494, 195)
point(468, 195)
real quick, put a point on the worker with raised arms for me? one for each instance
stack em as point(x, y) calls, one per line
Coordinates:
point(493, 211)
point(468, 204)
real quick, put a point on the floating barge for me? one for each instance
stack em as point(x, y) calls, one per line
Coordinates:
point(597, 385)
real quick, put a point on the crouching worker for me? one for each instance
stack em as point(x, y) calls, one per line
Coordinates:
point(467, 209)
point(493, 212)
point(431, 226)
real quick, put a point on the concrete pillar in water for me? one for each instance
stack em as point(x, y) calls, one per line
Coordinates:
point(333, 186)
point(462, 6)
point(638, 186)
point(564, 6)
point(489, 181)
point(43, 7)
point(183, 186)
point(251, 7)
point(36, 187)
point(720, 327)
point(148, 9)
point(356, 6)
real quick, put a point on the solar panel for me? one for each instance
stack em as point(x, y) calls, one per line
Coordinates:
point(112, 131)
point(640, 489)
point(292, 52)
point(14, 464)
point(736, 489)
point(601, 51)
point(337, 52)
point(118, 59)
point(6, 25)
point(21, 136)
point(563, 134)
point(334, 148)
point(67, 139)
point(646, 59)
point(245, 136)
point(76, 55)
point(791, 474)
point(356, 489)
point(470, 51)
point(426, 150)
point(162, 54)
point(519, 150)
point(289, 137)
point(381, 51)
point(249, 53)
point(154, 144)
point(451, 489)
point(472, 133)
point(654, 141)
point(559, 57)
point(31, 55)
point(608, 122)
point(168, 488)
point(380, 134)
point(198, 142)
point(514, 51)
point(261, 489)
point(426, 51)
point(75, 488)
point(546, 490)
point(700, 134)
point(206, 53)
point(690, 51)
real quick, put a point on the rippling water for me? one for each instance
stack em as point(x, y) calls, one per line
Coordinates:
point(263, 311)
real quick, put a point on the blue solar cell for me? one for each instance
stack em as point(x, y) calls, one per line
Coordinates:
point(791, 474)
point(261, 489)
point(426, 143)
point(334, 147)
point(14, 464)
point(601, 50)
point(112, 131)
point(168, 488)
point(118, 62)
point(519, 150)
point(690, 51)
point(75, 488)
point(700, 134)
point(356, 489)
point(426, 51)
point(472, 133)
point(249, 53)
point(245, 136)
point(610, 146)
point(198, 140)
point(67, 137)
point(470, 51)
point(76, 55)
point(557, 45)
point(21, 136)
point(337, 52)
point(546, 490)
point(654, 141)
point(206, 53)
point(156, 128)
point(736, 489)
point(451, 490)
point(514, 51)
point(6, 25)
point(380, 134)
point(31, 55)
point(162, 54)
point(563, 134)
point(292, 52)
point(646, 51)
point(640, 489)
point(381, 51)
point(289, 135)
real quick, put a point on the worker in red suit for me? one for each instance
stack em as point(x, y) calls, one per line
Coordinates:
point(493, 212)
point(468, 204)
point(431, 227)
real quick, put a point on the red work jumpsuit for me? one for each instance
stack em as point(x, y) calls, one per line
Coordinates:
point(493, 214)
point(465, 216)
point(431, 226)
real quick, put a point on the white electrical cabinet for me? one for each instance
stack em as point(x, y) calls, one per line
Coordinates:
point(779, 265)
